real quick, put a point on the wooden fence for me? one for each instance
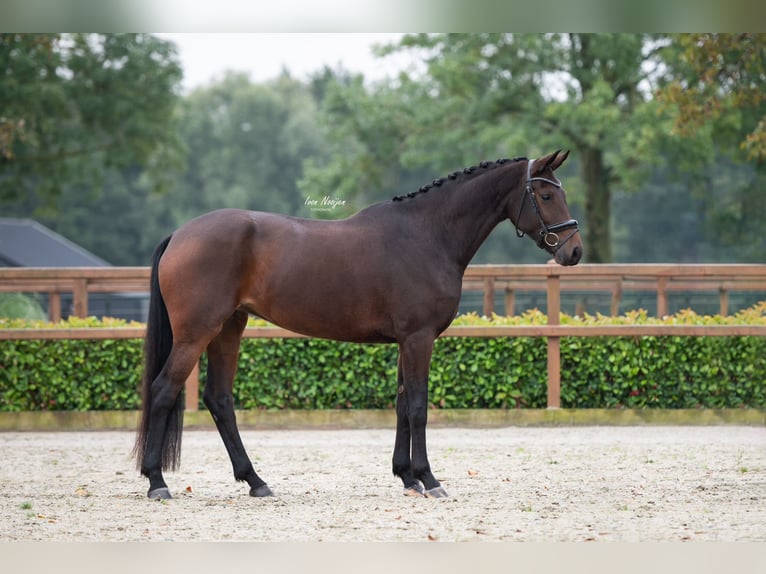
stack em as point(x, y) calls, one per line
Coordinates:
point(663, 278)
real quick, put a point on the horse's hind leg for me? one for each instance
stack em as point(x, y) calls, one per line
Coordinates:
point(163, 445)
point(222, 353)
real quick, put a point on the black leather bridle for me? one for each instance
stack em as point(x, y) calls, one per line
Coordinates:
point(548, 233)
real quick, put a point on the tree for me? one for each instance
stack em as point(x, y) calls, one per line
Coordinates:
point(77, 105)
point(712, 91)
point(490, 95)
point(720, 75)
point(365, 136)
point(605, 72)
point(247, 144)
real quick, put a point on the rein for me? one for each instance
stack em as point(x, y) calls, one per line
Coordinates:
point(548, 233)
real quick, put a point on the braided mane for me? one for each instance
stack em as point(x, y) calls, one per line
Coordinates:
point(468, 171)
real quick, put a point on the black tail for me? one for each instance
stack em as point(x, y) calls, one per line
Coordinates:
point(157, 346)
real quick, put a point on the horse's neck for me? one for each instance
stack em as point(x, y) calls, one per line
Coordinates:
point(464, 216)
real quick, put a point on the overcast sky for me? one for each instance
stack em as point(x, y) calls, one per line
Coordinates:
point(206, 57)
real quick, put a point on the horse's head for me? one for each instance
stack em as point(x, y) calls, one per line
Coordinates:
point(541, 211)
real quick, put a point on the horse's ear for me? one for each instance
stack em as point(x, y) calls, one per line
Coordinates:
point(552, 162)
point(557, 159)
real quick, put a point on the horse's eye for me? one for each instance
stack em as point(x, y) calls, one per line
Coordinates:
point(546, 196)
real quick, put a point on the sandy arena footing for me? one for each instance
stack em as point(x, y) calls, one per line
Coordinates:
point(505, 484)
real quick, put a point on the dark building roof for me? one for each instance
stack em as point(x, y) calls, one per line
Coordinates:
point(26, 243)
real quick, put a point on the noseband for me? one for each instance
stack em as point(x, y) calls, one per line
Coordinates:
point(548, 233)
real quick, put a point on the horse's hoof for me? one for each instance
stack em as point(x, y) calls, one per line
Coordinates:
point(162, 493)
point(416, 489)
point(261, 491)
point(436, 492)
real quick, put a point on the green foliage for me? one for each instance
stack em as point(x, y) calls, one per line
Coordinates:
point(70, 323)
point(20, 306)
point(494, 95)
point(364, 136)
point(76, 375)
point(246, 144)
point(719, 80)
point(319, 374)
point(78, 105)
point(314, 374)
point(88, 132)
point(93, 125)
point(489, 373)
point(502, 372)
point(618, 101)
point(663, 372)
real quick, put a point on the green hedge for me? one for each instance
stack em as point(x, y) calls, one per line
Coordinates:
point(70, 375)
point(318, 374)
point(596, 372)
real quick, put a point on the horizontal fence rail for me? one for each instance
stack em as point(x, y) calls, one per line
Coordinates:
point(616, 279)
point(662, 278)
point(457, 331)
point(489, 279)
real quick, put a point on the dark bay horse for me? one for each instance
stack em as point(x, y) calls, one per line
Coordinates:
point(393, 272)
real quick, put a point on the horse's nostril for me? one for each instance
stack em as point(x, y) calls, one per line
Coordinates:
point(576, 254)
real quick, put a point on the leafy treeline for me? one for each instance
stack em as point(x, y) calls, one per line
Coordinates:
point(466, 372)
point(667, 135)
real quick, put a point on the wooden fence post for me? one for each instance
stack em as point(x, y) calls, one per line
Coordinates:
point(489, 296)
point(662, 296)
point(554, 343)
point(510, 301)
point(723, 297)
point(192, 390)
point(80, 298)
point(54, 306)
point(614, 307)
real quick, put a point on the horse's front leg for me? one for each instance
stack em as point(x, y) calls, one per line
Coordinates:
point(410, 453)
point(402, 464)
